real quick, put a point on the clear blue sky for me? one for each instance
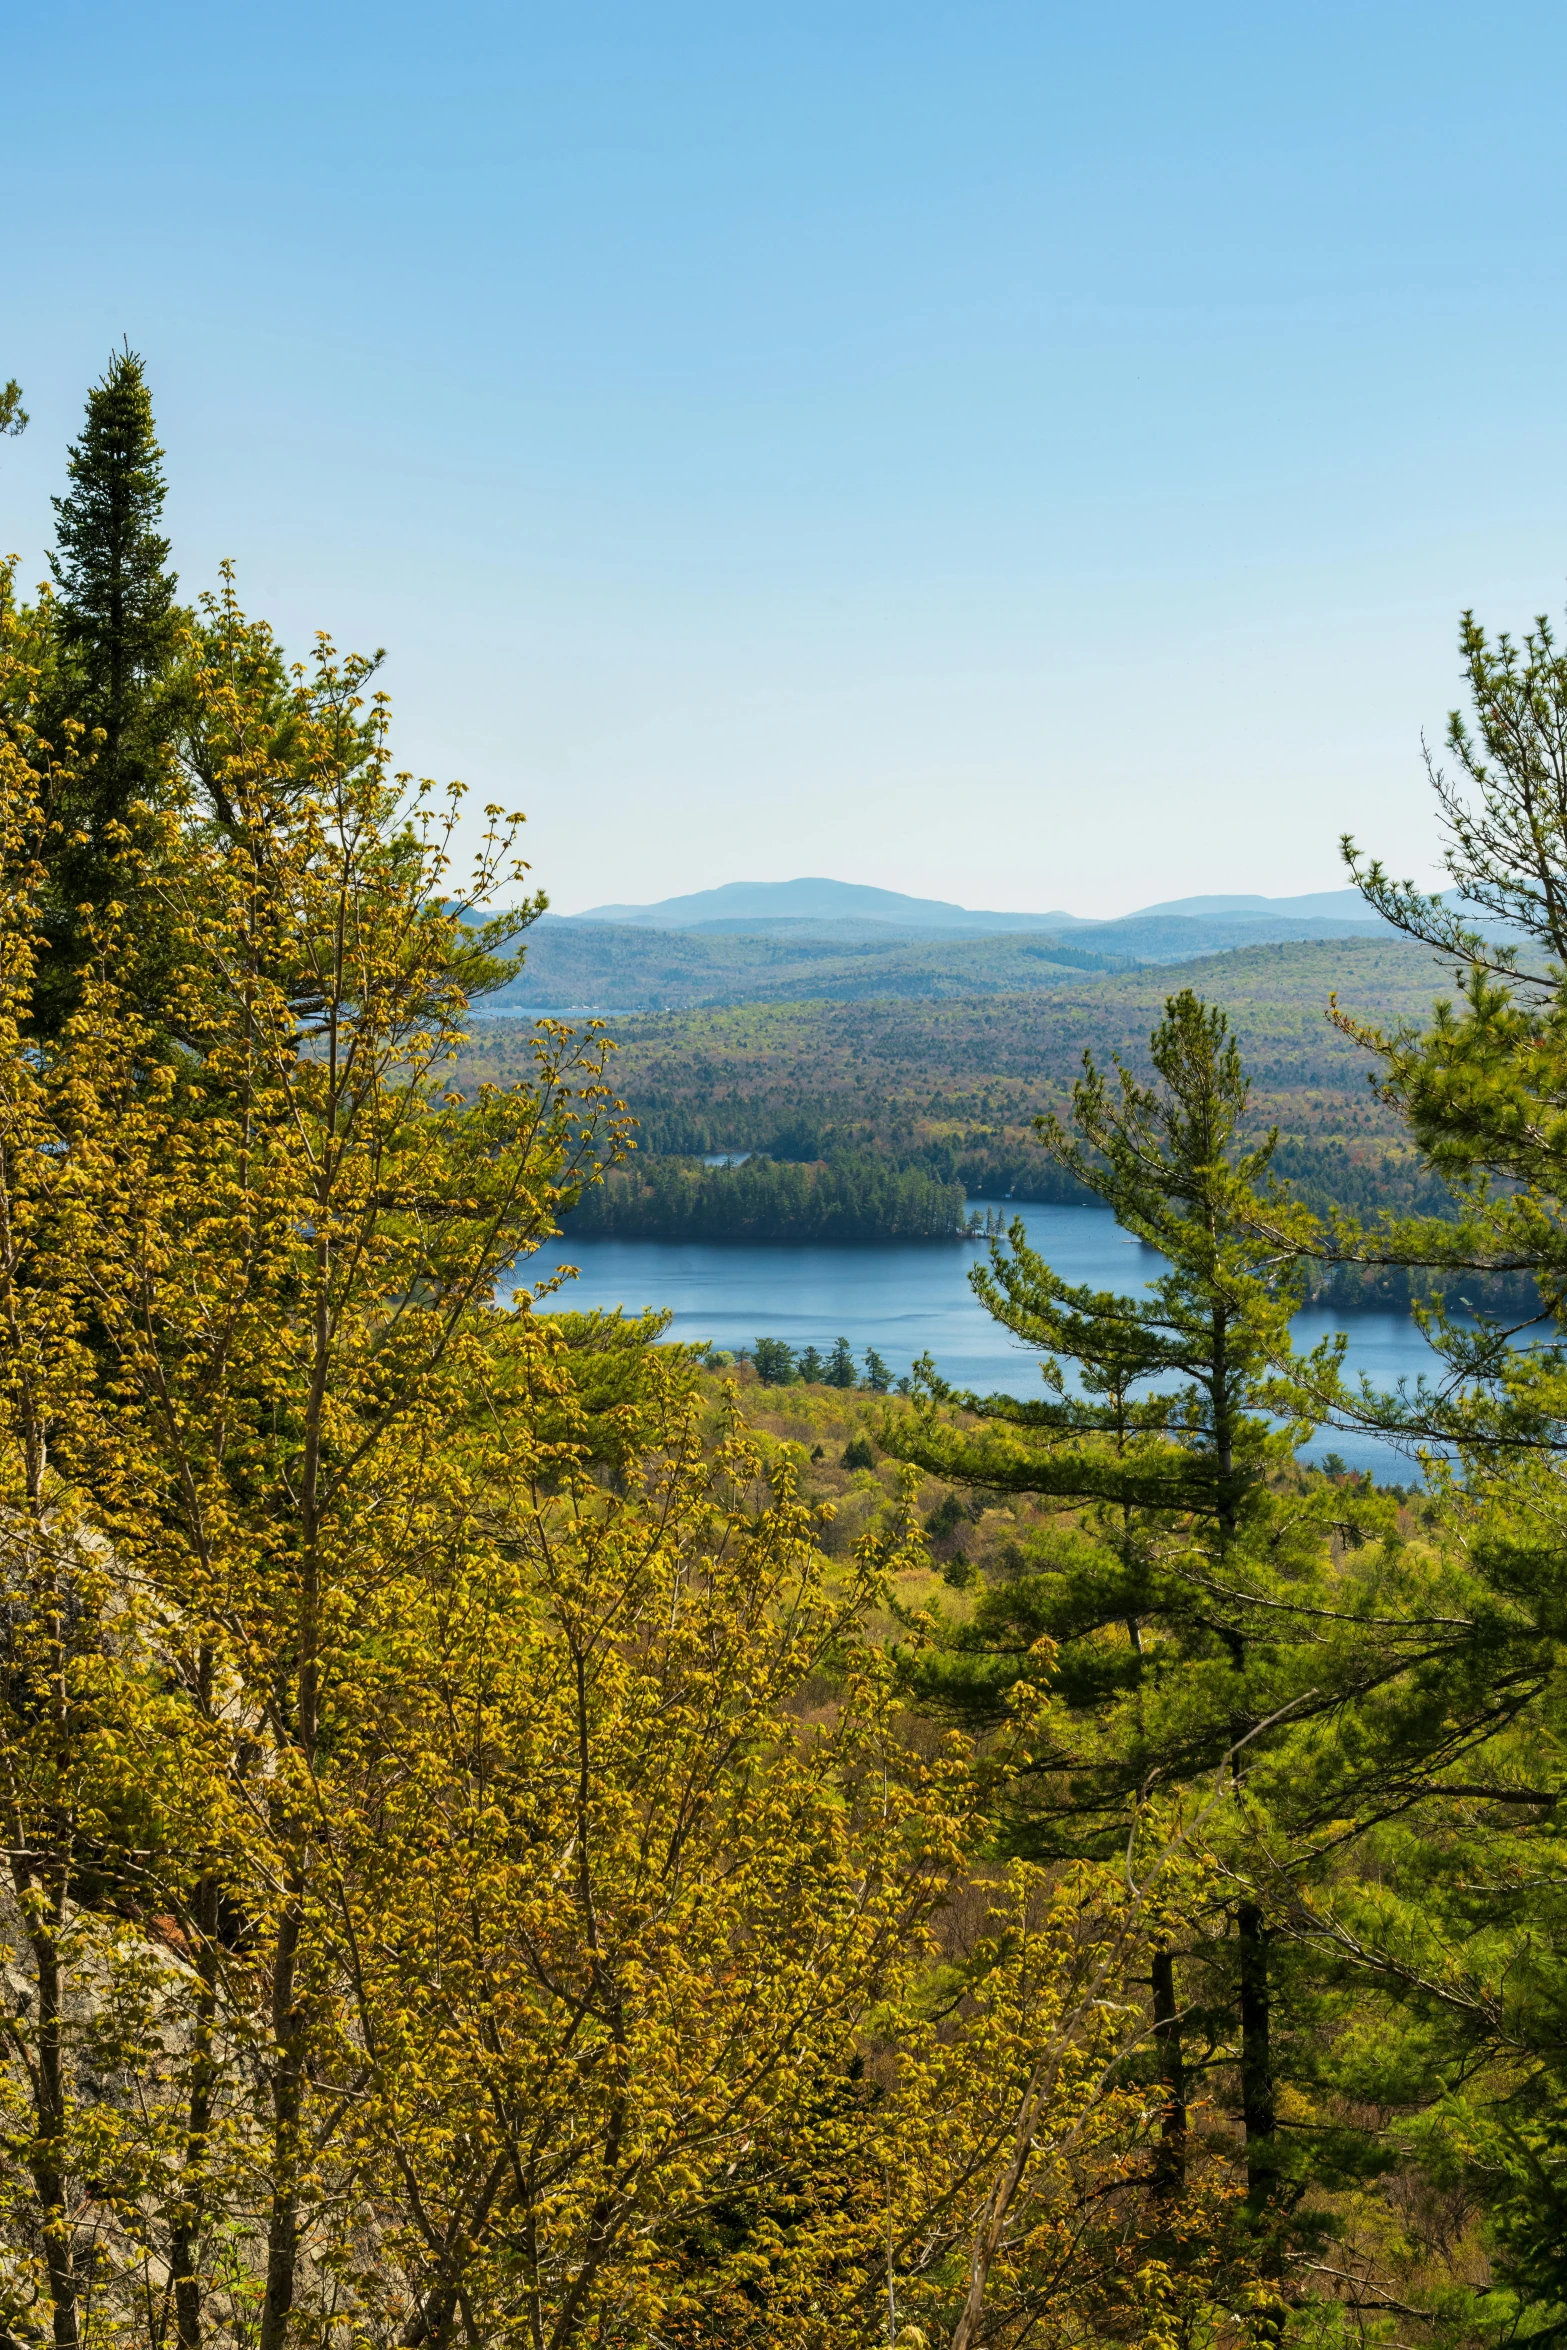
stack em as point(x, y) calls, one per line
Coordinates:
point(1027, 454)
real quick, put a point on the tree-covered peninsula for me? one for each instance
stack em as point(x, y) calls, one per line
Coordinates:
point(852, 1196)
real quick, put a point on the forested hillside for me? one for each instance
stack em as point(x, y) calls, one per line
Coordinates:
point(971, 1073)
point(615, 967)
point(949, 1090)
point(584, 965)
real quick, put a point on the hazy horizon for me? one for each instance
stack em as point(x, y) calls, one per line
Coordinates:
point(1299, 902)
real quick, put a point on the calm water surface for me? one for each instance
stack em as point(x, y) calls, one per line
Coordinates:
point(914, 1300)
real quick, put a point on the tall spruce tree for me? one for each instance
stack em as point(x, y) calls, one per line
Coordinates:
point(117, 619)
point(115, 638)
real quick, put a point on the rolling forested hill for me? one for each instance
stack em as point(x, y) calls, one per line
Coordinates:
point(734, 1077)
point(951, 1086)
point(617, 967)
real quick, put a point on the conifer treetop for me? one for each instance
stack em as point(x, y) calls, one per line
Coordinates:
point(117, 596)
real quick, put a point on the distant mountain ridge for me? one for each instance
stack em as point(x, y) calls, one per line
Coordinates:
point(815, 939)
point(1330, 905)
point(815, 899)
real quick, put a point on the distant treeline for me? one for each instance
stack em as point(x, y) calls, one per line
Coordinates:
point(850, 1197)
point(1330, 1174)
point(634, 969)
point(1507, 1294)
point(778, 1364)
point(1000, 1167)
point(953, 1086)
point(981, 1166)
point(1327, 1173)
point(948, 1093)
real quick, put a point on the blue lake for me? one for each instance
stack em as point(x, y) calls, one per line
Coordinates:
point(908, 1301)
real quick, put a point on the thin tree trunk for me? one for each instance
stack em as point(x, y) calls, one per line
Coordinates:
point(1170, 2165)
point(41, 1891)
point(288, 2088)
point(185, 2240)
point(993, 2217)
point(1257, 2093)
point(290, 2020)
point(43, 1907)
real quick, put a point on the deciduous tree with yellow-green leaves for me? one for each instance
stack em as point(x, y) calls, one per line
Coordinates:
point(473, 1873)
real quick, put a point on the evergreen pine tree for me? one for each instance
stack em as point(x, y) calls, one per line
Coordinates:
point(117, 619)
point(774, 1360)
point(1453, 1783)
point(116, 630)
point(1480, 1089)
point(1166, 1610)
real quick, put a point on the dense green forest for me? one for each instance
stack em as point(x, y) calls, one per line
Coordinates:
point(516, 1834)
point(853, 1196)
point(966, 1078)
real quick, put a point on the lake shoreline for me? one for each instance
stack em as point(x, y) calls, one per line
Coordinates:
point(906, 1298)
